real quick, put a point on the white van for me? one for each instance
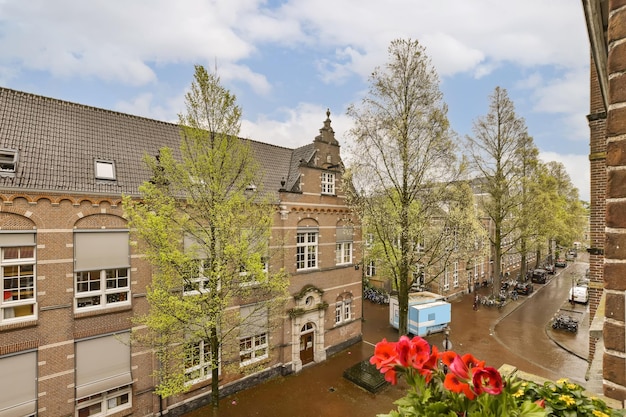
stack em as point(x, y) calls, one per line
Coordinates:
point(579, 294)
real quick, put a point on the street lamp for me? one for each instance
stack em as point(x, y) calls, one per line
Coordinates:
point(447, 344)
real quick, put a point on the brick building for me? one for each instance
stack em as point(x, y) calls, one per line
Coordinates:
point(72, 281)
point(607, 122)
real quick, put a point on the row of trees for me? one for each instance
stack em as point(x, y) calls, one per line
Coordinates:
point(411, 178)
point(205, 230)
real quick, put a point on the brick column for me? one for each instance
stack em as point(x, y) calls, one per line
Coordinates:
point(597, 162)
point(614, 358)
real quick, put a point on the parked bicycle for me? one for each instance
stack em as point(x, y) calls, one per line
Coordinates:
point(565, 322)
point(376, 295)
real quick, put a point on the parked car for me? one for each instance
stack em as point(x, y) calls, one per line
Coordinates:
point(560, 263)
point(539, 276)
point(549, 268)
point(524, 288)
point(579, 294)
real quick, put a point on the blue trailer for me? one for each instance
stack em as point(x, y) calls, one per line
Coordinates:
point(428, 313)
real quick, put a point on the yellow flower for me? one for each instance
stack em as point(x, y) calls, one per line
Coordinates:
point(519, 393)
point(571, 386)
point(599, 413)
point(567, 399)
point(562, 381)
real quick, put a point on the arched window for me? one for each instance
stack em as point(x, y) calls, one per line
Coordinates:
point(343, 309)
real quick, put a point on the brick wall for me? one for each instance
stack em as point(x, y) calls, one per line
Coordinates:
point(614, 358)
point(597, 162)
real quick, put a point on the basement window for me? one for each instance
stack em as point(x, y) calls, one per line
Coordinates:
point(8, 162)
point(105, 170)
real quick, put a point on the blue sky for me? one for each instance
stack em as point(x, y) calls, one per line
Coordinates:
point(289, 60)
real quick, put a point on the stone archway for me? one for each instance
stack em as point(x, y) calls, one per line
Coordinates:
point(307, 335)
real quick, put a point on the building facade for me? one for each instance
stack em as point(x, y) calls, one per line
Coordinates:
point(72, 281)
point(607, 124)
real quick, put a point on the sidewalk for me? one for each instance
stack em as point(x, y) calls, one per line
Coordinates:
point(321, 390)
point(575, 343)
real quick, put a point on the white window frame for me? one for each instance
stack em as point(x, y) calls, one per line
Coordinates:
point(370, 269)
point(258, 349)
point(347, 309)
point(455, 275)
point(343, 253)
point(328, 183)
point(105, 169)
point(446, 280)
point(199, 278)
point(102, 296)
point(203, 365)
point(104, 399)
point(8, 162)
point(343, 310)
point(307, 250)
point(369, 241)
point(13, 297)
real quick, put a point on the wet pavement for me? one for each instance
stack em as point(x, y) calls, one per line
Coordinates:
point(519, 334)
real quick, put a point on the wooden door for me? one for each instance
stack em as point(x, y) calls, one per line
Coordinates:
point(306, 348)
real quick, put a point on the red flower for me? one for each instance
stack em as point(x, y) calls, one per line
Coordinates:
point(541, 403)
point(384, 355)
point(430, 365)
point(447, 357)
point(455, 384)
point(412, 352)
point(391, 376)
point(487, 380)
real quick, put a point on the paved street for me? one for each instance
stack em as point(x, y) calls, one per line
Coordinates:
point(517, 335)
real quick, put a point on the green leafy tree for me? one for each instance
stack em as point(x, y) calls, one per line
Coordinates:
point(204, 224)
point(528, 235)
point(496, 152)
point(569, 215)
point(404, 168)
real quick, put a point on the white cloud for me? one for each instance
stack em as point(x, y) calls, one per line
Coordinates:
point(299, 126)
point(577, 166)
point(564, 94)
point(449, 55)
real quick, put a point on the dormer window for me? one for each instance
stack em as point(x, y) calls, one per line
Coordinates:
point(8, 162)
point(328, 183)
point(105, 170)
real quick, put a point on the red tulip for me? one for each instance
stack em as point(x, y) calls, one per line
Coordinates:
point(487, 380)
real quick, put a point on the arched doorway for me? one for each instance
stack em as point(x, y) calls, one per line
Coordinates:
point(307, 343)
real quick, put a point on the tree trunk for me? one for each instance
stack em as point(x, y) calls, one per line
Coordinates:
point(215, 371)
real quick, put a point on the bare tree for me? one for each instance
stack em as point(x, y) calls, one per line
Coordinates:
point(405, 167)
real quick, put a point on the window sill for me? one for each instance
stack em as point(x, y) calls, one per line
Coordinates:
point(308, 270)
point(255, 362)
point(100, 311)
point(343, 323)
point(21, 324)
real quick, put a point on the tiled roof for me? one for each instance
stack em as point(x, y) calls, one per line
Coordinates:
point(58, 142)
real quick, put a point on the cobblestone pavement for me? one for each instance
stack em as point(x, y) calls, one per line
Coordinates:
point(321, 390)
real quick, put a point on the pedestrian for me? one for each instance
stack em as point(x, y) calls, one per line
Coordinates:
point(475, 306)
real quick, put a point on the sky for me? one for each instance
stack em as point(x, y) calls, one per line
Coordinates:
point(288, 61)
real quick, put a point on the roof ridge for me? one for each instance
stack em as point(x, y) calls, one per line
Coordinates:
point(86, 106)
